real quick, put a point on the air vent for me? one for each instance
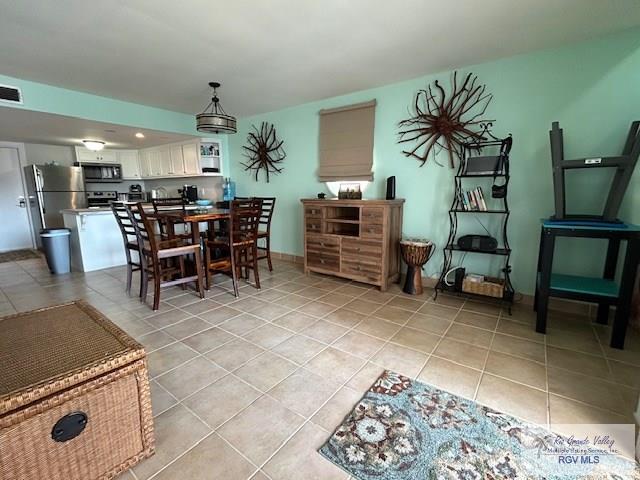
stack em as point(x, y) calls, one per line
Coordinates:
point(10, 94)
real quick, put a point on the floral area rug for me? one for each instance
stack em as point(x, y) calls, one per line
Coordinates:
point(404, 429)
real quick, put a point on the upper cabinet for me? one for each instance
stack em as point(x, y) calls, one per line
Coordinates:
point(198, 157)
point(84, 155)
point(130, 163)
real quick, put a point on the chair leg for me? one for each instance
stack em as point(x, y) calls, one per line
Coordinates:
point(129, 269)
point(200, 281)
point(144, 284)
point(269, 253)
point(183, 272)
point(234, 272)
point(157, 280)
point(254, 253)
point(207, 272)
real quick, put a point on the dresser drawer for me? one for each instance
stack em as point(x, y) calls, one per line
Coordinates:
point(324, 261)
point(371, 270)
point(356, 247)
point(313, 212)
point(313, 225)
point(371, 231)
point(323, 244)
point(372, 215)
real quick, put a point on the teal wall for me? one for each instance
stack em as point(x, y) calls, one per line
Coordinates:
point(40, 97)
point(592, 88)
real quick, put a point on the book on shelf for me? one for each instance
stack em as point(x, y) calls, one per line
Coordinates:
point(472, 200)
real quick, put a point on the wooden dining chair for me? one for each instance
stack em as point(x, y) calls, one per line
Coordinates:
point(158, 255)
point(264, 227)
point(164, 204)
point(239, 248)
point(130, 240)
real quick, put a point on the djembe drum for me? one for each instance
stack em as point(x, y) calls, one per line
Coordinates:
point(415, 254)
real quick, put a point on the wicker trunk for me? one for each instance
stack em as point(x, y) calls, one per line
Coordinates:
point(74, 396)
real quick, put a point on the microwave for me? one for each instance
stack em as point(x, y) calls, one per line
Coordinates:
point(102, 172)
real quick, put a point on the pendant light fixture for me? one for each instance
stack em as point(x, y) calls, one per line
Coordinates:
point(214, 119)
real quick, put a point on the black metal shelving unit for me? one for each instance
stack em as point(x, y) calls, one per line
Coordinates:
point(451, 248)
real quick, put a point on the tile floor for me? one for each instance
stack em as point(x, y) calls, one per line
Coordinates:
point(250, 388)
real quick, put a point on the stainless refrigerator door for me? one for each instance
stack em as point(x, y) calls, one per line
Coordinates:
point(60, 179)
point(34, 200)
point(53, 202)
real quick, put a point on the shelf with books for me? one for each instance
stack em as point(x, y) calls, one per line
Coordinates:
point(469, 199)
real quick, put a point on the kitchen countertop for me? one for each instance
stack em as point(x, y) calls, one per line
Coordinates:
point(107, 210)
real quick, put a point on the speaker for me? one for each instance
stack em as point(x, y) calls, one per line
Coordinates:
point(391, 188)
point(481, 243)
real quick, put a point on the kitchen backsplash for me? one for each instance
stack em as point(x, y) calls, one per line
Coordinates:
point(208, 187)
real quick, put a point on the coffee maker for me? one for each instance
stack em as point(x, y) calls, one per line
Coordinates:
point(189, 193)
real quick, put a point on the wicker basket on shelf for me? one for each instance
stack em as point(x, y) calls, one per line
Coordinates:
point(490, 287)
point(74, 396)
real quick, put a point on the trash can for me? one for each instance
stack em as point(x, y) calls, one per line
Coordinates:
point(55, 242)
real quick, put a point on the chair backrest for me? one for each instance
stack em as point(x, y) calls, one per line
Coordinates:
point(143, 226)
point(268, 205)
point(164, 204)
point(245, 215)
point(127, 229)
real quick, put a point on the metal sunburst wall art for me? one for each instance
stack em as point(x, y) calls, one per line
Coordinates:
point(445, 121)
point(264, 151)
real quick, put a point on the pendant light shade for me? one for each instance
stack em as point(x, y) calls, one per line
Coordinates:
point(214, 119)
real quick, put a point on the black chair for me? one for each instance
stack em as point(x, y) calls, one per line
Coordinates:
point(130, 240)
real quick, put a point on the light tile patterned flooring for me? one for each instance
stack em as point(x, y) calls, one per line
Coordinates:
point(250, 388)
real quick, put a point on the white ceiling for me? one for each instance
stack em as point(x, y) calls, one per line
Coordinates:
point(36, 127)
point(276, 53)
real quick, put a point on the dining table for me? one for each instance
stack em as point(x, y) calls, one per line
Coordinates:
point(193, 217)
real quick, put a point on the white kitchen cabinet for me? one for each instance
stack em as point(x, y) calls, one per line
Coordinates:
point(177, 159)
point(155, 165)
point(130, 164)
point(191, 158)
point(84, 155)
point(145, 167)
point(166, 166)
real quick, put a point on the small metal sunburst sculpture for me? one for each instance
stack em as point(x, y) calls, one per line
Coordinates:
point(264, 151)
point(440, 121)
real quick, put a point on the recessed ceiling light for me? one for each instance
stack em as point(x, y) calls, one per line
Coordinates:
point(139, 135)
point(93, 145)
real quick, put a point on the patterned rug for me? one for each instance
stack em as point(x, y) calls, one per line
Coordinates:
point(404, 429)
point(16, 255)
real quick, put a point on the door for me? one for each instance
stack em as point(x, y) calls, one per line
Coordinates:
point(54, 202)
point(16, 231)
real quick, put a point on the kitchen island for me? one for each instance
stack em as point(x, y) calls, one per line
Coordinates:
point(96, 241)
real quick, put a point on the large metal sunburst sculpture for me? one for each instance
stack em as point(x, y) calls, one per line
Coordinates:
point(440, 121)
point(264, 151)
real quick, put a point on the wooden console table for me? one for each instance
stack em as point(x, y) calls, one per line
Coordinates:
point(355, 239)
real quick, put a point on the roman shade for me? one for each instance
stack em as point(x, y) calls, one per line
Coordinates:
point(346, 143)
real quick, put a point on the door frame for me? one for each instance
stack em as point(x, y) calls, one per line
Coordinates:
point(22, 161)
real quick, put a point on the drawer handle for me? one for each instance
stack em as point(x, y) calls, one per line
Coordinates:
point(358, 249)
point(358, 268)
point(322, 244)
point(371, 230)
point(322, 261)
point(69, 426)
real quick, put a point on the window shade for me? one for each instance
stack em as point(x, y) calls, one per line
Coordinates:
point(346, 143)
